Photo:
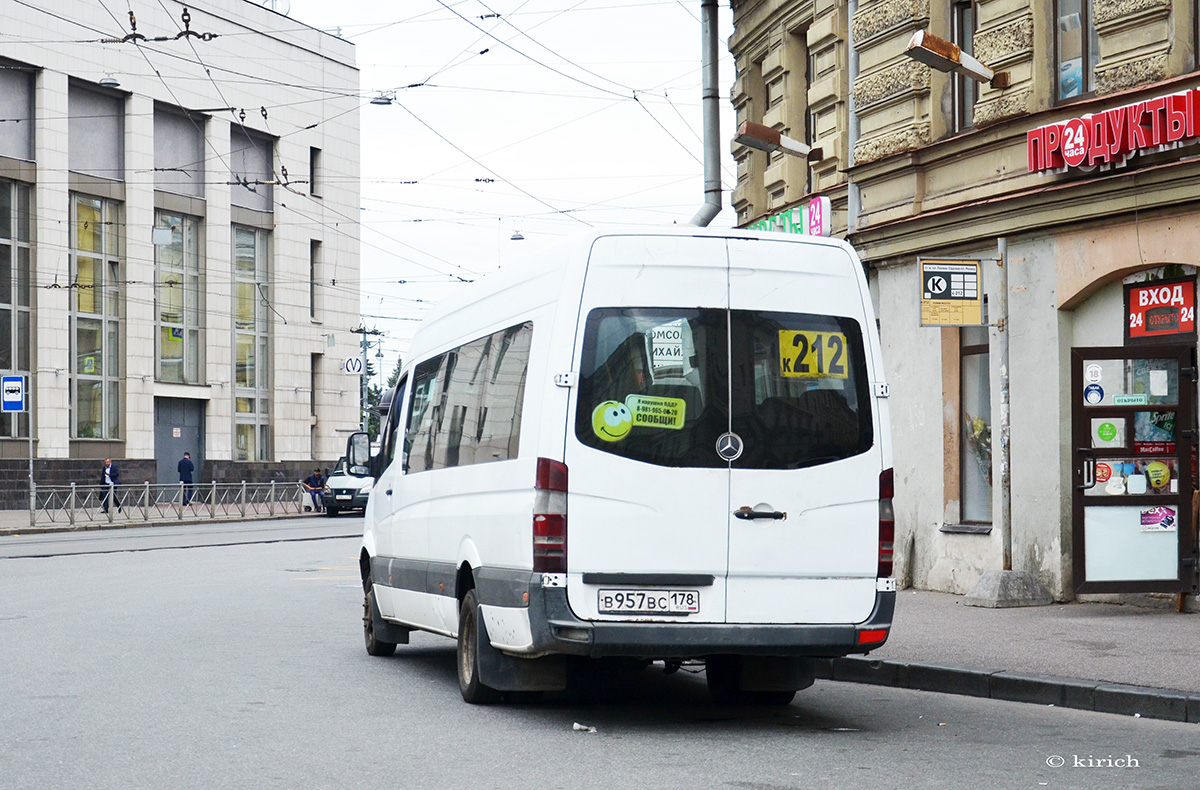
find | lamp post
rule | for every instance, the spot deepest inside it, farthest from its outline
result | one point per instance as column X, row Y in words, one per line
column 1005, row 587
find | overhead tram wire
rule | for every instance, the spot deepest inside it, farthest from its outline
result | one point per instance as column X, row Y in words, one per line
column 227, row 166
column 336, row 229
column 633, row 92
column 524, row 34
column 499, row 177
column 528, row 56
column 450, row 63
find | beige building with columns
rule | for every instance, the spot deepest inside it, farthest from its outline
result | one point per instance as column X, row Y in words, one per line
column 178, row 241
column 1083, row 157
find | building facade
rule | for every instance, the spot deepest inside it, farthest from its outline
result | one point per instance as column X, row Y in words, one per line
column 1082, row 158
column 179, row 262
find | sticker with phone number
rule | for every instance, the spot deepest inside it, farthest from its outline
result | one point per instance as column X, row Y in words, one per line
column 805, row 354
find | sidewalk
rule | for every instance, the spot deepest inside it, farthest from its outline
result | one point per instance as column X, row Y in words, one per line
column 16, row 522
column 1095, row 656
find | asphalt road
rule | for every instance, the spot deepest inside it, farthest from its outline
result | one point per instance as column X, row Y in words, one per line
column 242, row 667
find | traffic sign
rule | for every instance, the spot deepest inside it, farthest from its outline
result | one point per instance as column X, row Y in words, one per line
column 13, row 389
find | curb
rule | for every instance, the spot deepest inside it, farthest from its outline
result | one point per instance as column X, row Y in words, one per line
column 96, row 526
column 1094, row 695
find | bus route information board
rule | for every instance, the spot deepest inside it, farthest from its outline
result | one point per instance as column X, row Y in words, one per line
column 951, row 292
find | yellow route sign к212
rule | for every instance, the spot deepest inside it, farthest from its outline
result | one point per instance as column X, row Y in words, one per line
column 951, row 292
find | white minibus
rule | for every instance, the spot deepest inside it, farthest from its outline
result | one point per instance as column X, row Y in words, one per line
column 665, row 445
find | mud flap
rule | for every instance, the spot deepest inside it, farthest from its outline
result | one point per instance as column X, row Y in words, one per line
column 508, row 673
column 385, row 631
column 776, row 673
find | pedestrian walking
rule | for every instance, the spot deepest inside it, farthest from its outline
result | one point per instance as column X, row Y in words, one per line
column 315, row 484
column 111, row 478
column 186, row 467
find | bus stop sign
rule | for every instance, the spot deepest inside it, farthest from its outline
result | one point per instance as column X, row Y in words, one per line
column 13, row 389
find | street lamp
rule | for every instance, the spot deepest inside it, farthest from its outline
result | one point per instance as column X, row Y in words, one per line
column 947, row 56
column 764, row 138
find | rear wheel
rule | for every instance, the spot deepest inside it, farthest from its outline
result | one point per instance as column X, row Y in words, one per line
column 472, row 688
column 375, row 647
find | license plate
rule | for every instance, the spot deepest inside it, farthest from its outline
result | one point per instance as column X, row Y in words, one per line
column 649, row 601
column 344, row 496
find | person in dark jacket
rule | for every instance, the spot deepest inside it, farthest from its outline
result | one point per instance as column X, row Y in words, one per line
column 314, row 484
column 186, row 467
column 110, row 477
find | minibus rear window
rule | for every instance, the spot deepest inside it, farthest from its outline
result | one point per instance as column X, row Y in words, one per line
column 656, row 386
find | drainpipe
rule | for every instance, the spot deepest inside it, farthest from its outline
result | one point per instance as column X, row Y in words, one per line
column 710, row 107
column 853, row 202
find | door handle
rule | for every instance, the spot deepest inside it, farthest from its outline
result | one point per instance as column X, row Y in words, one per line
column 748, row 512
column 1089, row 468
column 389, row 492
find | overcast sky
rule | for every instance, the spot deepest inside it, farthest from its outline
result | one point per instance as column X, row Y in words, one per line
column 554, row 116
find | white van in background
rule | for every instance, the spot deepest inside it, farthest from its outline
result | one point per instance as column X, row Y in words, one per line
column 669, row 445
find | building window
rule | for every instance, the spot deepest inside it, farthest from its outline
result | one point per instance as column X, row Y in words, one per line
column 1076, row 48
column 178, row 295
column 314, row 172
column 314, row 279
column 96, row 317
column 178, row 151
column 15, row 295
column 96, row 133
column 16, row 108
column 251, row 161
column 976, row 451
column 314, row 368
column 251, row 302
column 965, row 88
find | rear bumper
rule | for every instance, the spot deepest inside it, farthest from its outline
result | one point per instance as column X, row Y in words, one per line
column 557, row 630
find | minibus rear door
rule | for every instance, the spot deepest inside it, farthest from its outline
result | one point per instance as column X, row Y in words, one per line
column 803, row 521
column 648, row 501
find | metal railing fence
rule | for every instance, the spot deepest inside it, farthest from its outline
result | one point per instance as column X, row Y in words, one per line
column 103, row 504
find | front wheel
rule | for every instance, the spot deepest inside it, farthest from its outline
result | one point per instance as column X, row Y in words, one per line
column 375, row 647
column 472, row 688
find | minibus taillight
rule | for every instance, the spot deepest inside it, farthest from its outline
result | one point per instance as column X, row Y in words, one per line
column 550, row 517
column 887, row 522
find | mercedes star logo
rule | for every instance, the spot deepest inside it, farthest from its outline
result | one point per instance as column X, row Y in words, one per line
column 729, row 446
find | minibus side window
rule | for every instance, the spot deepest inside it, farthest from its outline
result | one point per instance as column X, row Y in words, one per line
column 499, row 428
column 466, row 403
column 418, row 435
column 392, row 431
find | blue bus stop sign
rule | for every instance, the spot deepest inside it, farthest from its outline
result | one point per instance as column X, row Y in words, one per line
column 12, row 390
